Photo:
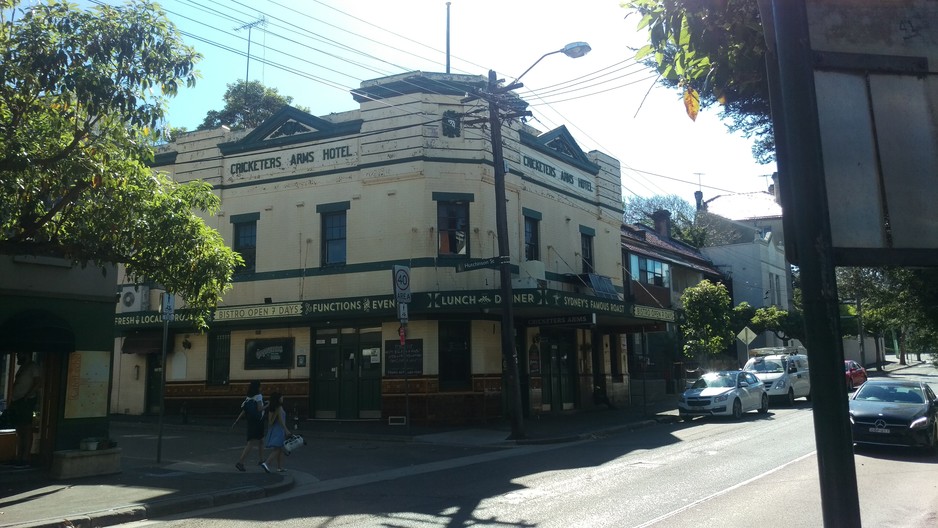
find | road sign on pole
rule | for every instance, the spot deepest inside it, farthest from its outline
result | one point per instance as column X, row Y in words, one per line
column 402, row 284
column 169, row 304
column 402, row 312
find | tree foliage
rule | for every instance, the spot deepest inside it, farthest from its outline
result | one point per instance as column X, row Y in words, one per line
column 714, row 49
column 81, row 99
column 638, row 209
column 896, row 300
column 247, row 105
column 707, row 318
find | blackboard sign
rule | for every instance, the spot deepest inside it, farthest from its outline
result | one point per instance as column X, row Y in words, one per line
column 268, row 353
column 403, row 361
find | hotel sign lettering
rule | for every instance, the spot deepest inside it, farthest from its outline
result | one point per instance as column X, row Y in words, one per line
column 259, row 311
column 570, row 179
column 310, row 157
column 650, row 312
column 384, row 305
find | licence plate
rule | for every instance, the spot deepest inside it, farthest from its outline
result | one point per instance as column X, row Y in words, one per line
column 879, row 430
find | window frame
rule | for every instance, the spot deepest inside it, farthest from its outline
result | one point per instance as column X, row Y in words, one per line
column 327, row 233
column 244, row 228
column 532, row 238
column 587, row 257
column 447, row 204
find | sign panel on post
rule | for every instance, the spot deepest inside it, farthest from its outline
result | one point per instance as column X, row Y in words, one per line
column 169, row 301
column 402, row 284
column 402, row 312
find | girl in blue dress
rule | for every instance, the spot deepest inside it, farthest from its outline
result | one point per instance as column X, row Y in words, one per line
column 277, row 431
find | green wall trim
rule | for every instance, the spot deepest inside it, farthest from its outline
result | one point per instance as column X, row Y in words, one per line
column 531, row 213
column 246, row 217
column 587, row 230
column 333, row 207
column 453, row 197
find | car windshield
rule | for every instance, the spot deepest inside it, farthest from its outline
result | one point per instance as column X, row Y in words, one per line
column 758, row 364
column 715, row 380
column 890, row 393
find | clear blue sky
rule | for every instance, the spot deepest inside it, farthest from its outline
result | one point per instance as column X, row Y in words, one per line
column 317, row 50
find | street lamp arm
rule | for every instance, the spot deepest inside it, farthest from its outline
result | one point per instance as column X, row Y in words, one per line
column 535, row 64
column 574, row 50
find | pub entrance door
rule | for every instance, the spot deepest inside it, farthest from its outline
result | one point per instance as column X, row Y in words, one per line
column 346, row 373
column 558, row 368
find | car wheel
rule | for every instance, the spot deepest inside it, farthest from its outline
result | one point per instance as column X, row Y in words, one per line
column 764, row 408
column 791, row 397
column 737, row 409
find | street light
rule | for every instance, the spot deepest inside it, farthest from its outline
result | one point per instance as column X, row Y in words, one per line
column 574, row 50
column 509, row 352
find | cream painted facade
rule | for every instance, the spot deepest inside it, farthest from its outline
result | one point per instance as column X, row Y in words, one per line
column 321, row 325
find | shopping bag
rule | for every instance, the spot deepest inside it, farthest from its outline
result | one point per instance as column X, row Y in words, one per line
column 293, row 443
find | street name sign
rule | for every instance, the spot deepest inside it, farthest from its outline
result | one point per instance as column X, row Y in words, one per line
column 491, row 262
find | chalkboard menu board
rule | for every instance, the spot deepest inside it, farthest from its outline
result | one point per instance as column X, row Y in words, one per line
column 403, row 361
column 268, row 353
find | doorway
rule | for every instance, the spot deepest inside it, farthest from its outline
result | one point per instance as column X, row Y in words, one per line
column 558, row 368
column 346, row 374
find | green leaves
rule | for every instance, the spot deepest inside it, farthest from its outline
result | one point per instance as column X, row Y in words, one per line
column 78, row 111
column 715, row 48
column 706, row 326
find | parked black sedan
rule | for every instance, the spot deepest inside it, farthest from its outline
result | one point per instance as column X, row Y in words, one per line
column 895, row 413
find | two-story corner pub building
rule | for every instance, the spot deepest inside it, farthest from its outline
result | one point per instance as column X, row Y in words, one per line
column 322, row 209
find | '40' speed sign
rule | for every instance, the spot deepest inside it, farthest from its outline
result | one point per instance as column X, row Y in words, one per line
column 402, row 284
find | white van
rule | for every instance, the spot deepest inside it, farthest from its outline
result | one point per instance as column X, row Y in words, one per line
column 785, row 375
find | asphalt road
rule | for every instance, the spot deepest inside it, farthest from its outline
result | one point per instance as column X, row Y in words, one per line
column 761, row 470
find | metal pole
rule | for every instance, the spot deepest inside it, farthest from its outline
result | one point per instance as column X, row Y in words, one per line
column 447, row 36
column 159, row 434
column 509, row 352
column 798, row 142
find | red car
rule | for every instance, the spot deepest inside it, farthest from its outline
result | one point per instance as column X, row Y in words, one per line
column 856, row 375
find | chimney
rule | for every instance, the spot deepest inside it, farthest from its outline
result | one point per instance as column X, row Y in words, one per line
column 698, row 195
column 662, row 218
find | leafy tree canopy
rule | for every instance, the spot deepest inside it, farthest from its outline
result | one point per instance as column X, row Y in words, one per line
column 638, row 209
column 707, row 319
column 81, row 96
column 247, row 105
column 714, row 51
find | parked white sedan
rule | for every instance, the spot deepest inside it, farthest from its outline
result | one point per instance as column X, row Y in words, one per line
column 724, row 393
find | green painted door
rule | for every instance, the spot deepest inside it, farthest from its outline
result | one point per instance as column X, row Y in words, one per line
column 348, row 377
column 346, row 381
column 558, row 368
column 369, row 369
column 325, row 381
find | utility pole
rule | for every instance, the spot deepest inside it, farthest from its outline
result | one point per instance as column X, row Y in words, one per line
column 509, row 350
column 493, row 95
column 249, row 26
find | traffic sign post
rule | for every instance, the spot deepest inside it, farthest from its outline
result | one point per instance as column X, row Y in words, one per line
column 402, row 312
column 402, row 284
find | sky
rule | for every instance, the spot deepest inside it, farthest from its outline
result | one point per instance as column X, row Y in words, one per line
column 316, row 51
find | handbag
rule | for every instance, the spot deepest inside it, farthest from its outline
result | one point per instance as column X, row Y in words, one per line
column 293, row 443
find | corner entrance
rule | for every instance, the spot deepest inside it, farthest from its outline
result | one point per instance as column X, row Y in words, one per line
column 558, row 369
column 345, row 381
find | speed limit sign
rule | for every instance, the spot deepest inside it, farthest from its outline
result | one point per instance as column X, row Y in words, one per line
column 402, row 284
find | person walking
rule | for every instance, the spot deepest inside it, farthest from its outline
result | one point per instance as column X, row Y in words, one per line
column 252, row 408
column 277, row 431
column 26, row 389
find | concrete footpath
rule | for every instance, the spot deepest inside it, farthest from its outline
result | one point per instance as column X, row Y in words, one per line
column 196, row 468
column 196, row 460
